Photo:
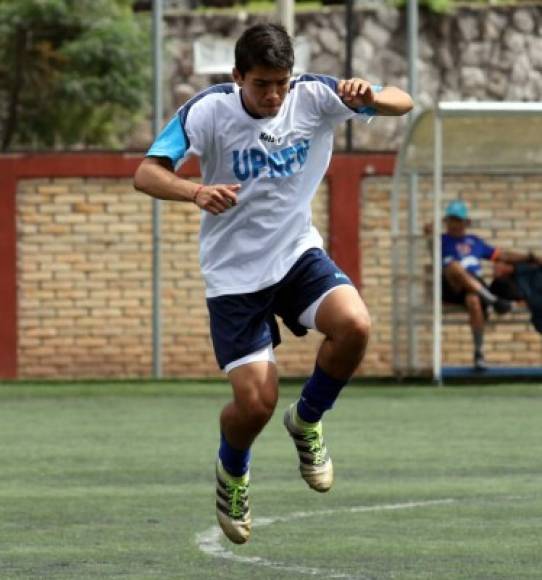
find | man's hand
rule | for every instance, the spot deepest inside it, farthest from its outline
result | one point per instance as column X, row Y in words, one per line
column 216, row 199
column 356, row 93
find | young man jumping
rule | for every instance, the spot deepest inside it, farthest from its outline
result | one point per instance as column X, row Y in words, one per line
column 264, row 143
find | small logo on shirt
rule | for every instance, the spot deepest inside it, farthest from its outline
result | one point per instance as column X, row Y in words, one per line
column 270, row 138
column 463, row 249
column 340, row 275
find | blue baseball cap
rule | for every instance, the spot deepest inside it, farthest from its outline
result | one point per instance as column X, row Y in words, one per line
column 457, row 209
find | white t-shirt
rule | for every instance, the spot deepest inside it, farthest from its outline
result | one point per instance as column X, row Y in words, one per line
column 279, row 162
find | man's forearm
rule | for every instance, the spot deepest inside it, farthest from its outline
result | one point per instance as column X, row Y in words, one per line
column 392, row 101
column 161, row 183
column 517, row 257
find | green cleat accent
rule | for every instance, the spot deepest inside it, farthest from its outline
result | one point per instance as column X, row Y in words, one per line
column 232, row 509
column 314, row 461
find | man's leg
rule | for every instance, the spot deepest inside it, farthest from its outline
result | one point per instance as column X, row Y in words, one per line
column 255, row 393
column 343, row 318
column 460, row 280
column 476, row 295
column 477, row 321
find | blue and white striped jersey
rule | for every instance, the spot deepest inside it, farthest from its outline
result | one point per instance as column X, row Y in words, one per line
column 279, row 162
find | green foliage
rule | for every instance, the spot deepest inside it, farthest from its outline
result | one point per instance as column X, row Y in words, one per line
column 442, row 6
column 72, row 72
column 438, row 6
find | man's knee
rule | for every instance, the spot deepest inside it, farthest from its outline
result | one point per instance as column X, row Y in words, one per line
column 258, row 410
column 353, row 330
column 453, row 272
column 256, row 399
column 454, row 267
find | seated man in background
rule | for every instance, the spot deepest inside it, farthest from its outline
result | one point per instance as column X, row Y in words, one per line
column 523, row 282
column 462, row 281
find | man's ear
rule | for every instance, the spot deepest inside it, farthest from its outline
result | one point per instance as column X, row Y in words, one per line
column 237, row 76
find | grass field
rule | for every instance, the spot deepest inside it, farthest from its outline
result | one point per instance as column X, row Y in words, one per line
column 116, row 481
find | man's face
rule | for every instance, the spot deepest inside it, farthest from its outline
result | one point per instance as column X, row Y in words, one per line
column 456, row 227
column 263, row 89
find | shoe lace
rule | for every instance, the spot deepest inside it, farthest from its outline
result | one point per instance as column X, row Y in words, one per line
column 313, row 436
column 237, row 493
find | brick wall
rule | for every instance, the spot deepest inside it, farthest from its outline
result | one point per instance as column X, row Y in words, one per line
column 376, row 272
column 84, row 278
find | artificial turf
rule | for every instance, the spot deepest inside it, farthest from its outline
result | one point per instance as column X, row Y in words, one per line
column 116, row 481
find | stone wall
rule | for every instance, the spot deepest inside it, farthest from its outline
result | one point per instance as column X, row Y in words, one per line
column 475, row 53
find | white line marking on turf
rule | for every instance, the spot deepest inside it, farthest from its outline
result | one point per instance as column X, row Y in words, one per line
column 209, row 540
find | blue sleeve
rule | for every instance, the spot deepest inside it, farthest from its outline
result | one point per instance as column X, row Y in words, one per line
column 171, row 142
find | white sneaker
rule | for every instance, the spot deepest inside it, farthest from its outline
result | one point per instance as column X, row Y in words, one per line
column 480, row 362
column 232, row 509
column 314, row 460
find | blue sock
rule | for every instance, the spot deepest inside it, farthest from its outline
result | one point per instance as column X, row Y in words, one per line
column 234, row 461
column 318, row 395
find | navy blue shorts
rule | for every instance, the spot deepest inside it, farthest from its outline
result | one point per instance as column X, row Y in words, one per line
column 245, row 323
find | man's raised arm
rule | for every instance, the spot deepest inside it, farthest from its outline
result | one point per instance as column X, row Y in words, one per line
column 358, row 92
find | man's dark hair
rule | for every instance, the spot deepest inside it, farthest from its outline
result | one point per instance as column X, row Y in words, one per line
column 265, row 45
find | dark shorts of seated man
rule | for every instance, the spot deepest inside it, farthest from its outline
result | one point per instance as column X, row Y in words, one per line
column 452, row 296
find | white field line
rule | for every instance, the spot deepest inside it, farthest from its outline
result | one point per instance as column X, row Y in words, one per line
column 209, row 540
